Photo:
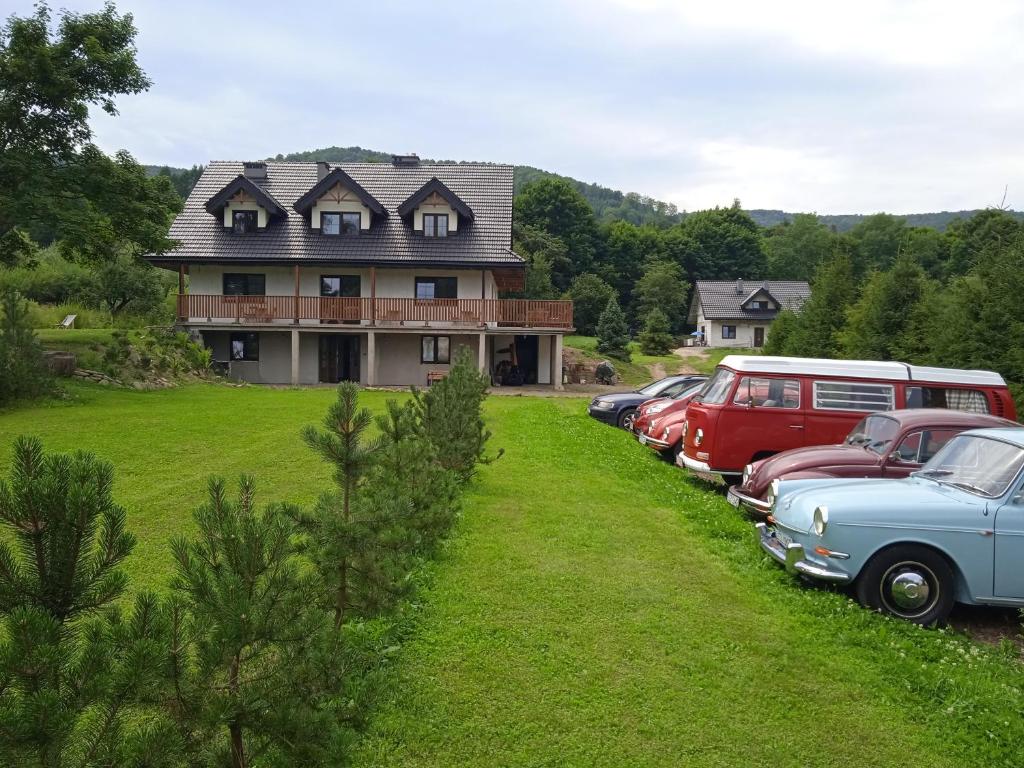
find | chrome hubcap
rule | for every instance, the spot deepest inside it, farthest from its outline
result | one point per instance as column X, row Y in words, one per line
column 909, row 589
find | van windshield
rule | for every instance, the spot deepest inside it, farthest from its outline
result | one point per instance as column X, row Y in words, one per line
column 716, row 389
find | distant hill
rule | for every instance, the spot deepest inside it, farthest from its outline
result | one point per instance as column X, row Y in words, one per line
column 608, row 204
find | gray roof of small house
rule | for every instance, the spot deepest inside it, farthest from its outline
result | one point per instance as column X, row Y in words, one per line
column 486, row 240
column 724, row 299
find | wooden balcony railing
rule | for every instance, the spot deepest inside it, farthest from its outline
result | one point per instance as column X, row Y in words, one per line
column 512, row 313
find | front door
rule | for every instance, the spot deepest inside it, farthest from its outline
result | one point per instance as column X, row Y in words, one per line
column 339, row 357
column 759, row 337
column 335, row 288
column 1009, row 548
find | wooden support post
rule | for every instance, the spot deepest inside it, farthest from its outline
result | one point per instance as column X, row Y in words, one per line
column 296, row 293
column 556, row 361
column 182, row 311
column 484, row 367
column 373, row 295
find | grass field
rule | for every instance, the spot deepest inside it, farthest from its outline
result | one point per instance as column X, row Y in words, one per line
column 594, row 608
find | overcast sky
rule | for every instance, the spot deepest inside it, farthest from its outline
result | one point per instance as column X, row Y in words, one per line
column 897, row 106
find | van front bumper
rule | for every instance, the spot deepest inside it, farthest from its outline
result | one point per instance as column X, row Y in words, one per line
column 794, row 558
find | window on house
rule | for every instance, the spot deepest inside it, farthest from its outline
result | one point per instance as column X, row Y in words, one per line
column 435, row 225
column 244, row 222
column 245, row 346
column 728, row 331
column 236, row 284
column 853, row 396
column 437, row 288
column 340, row 223
column 758, row 305
column 344, row 286
column 435, row 349
column 970, row 400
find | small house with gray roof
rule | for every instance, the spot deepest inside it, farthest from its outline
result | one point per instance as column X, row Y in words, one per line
column 737, row 313
column 302, row 272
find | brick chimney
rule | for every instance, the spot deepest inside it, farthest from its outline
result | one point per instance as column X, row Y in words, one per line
column 322, row 169
column 739, row 286
column 256, row 171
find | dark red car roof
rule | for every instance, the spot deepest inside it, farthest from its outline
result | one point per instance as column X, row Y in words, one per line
column 931, row 417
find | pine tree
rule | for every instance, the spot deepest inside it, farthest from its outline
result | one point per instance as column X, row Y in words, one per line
column 612, row 332
column 451, row 413
column 815, row 331
column 655, row 339
column 79, row 681
column 22, row 370
column 253, row 676
column 876, row 322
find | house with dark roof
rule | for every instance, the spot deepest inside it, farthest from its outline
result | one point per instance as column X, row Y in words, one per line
column 737, row 313
column 378, row 273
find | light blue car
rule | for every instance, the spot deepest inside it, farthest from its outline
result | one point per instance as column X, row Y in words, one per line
column 951, row 532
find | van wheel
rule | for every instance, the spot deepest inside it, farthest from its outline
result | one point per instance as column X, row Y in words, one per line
column 912, row 582
column 626, row 419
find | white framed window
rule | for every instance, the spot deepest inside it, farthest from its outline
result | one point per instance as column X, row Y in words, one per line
column 854, row 396
column 764, row 392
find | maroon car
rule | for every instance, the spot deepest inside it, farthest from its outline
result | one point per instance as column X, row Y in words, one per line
column 891, row 444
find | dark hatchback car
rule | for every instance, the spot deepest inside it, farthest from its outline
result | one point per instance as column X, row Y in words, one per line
column 891, row 444
column 619, row 408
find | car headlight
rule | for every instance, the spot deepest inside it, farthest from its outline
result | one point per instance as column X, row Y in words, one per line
column 657, row 408
column 747, row 471
column 664, row 434
column 698, row 436
column 773, row 492
column 604, row 405
column 820, row 520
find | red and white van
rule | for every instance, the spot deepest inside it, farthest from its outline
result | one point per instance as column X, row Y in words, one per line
column 756, row 406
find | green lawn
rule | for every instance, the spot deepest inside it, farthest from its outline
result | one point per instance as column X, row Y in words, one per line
column 594, row 608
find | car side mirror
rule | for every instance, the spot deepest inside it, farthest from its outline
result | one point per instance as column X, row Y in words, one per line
column 895, row 458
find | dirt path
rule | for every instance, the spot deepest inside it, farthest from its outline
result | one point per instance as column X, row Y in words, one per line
column 688, row 353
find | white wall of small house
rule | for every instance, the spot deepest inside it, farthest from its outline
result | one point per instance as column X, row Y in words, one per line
column 417, row 216
column 744, row 333
column 230, row 208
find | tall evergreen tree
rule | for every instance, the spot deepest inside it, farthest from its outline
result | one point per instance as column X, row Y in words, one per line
column 22, row 369
column 655, row 338
column 878, row 319
column 613, row 332
column 814, row 331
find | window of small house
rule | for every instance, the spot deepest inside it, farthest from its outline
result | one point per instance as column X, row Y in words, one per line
column 339, row 223
column 239, row 284
column 728, row 331
column 244, row 222
column 245, row 346
column 435, row 349
column 853, row 396
column 435, row 225
column 969, row 400
column 437, row 288
column 759, row 305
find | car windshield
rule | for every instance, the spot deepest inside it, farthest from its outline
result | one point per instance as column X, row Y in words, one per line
column 690, row 390
column 716, row 389
column 653, row 388
column 976, row 464
column 876, row 433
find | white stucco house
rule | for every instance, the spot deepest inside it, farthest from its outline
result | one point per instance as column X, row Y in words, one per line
column 737, row 313
column 303, row 272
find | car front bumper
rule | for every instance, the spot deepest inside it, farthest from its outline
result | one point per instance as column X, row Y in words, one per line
column 653, row 442
column 608, row 417
column 794, row 557
column 738, row 498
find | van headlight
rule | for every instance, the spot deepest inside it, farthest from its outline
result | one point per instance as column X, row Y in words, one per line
column 820, row 520
column 698, row 436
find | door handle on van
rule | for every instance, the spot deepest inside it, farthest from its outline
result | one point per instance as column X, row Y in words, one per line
column 796, row 426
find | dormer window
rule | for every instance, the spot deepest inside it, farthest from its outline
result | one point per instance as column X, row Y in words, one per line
column 759, row 305
column 339, row 223
column 435, row 225
column 244, row 222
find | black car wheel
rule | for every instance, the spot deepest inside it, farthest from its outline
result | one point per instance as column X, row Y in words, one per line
column 626, row 418
column 911, row 582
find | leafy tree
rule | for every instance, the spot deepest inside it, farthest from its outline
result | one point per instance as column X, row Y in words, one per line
column 929, row 248
column 542, row 252
column 795, row 249
column 876, row 322
column 556, row 207
column 625, row 249
column 342, row 443
column 127, row 281
column 23, row 372
column 721, row 244
column 877, row 241
column 613, row 332
column 451, row 415
column 656, row 337
column 780, row 333
column 814, row 331
column 986, row 233
column 80, row 683
column 54, row 183
column 662, row 287
column 589, row 295
column 253, row 651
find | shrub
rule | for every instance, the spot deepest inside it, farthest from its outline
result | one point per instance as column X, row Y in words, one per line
column 23, row 372
column 613, row 333
column 655, row 339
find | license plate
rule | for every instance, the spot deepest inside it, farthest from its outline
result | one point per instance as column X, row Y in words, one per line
column 732, row 498
column 783, row 539
column 643, row 439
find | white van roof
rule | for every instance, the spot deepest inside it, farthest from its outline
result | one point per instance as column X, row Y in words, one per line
column 859, row 369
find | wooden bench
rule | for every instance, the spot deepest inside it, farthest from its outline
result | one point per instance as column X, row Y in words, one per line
column 435, row 376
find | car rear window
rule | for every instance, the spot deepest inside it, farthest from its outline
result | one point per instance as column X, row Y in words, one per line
column 853, row 396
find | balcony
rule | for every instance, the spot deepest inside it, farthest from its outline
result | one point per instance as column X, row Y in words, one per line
column 378, row 312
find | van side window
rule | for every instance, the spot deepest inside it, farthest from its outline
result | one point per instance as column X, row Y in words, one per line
column 969, row 400
column 853, row 396
column 768, row 393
